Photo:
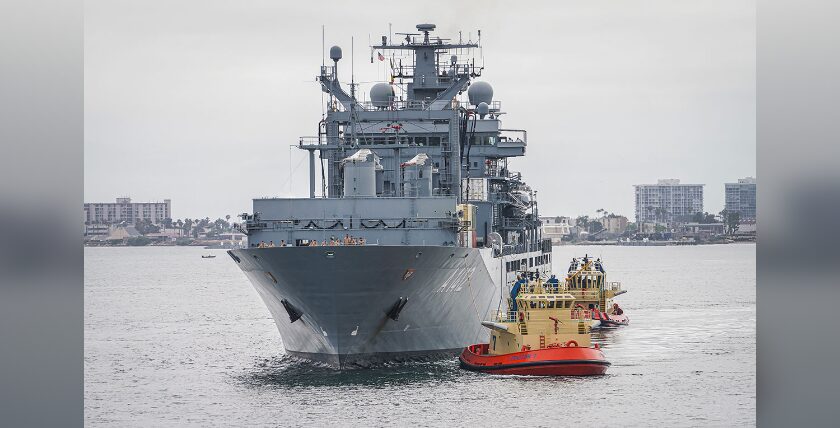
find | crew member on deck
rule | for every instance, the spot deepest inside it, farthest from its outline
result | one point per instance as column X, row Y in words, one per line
column 555, row 283
column 515, row 291
column 617, row 310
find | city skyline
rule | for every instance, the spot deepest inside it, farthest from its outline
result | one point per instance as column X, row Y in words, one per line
column 199, row 103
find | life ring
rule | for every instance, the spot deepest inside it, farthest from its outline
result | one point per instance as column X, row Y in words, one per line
column 569, row 343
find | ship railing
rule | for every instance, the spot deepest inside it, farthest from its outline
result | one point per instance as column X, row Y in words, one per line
column 312, row 141
column 458, row 69
column 394, row 105
column 613, row 286
column 519, row 248
column 588, row 294
column 513, row 137
column 339, row 225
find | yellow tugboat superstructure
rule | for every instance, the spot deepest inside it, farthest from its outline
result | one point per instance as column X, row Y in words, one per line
column 587, row 282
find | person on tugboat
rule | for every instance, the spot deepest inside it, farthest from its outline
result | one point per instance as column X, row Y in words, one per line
column 514, row 291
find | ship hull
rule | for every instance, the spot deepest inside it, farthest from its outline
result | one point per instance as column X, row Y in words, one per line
column 345, row 298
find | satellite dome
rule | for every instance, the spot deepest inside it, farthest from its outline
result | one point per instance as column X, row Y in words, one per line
column 381, row 94
column 480, row 92
column 335, row 53
column 482, row 109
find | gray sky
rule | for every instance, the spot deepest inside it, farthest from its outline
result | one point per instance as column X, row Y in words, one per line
column 198, row 101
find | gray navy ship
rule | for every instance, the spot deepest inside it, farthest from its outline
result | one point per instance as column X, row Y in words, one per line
column 419, row 227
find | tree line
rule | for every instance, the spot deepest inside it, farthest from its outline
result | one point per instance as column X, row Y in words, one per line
column 189, row 227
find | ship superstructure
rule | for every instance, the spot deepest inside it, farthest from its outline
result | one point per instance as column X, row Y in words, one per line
column 418, row 218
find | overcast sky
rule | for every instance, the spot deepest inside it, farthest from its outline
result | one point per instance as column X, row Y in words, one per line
column 198, row 101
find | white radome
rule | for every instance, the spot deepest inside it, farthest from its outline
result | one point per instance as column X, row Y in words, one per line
column 480, row 92
column 381, row 94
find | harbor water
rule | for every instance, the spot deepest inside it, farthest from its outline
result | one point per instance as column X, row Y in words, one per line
column 172, row 339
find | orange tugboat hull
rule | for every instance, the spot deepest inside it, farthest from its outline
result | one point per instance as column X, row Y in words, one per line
column 562, row 361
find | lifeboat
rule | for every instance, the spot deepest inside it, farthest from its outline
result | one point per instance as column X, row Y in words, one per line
column 610, row 320
column 544, row 333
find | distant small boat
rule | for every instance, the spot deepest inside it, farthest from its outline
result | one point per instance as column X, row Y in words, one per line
column 211, row 256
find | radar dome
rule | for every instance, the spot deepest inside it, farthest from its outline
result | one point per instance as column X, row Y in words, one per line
column 381, row 94
column 335, row 53
column 480, row 92
column 482, row 109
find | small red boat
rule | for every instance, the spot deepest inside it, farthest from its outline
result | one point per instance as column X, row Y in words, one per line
column 615, row 320
column 558, row 361
column 610, row 320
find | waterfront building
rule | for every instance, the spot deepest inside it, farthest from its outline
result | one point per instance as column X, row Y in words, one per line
column 740, row 197
column 123, row 210
column 555, row 228
column 96, row 230
column 614, row 223
column 702, row 230
column 668, row 201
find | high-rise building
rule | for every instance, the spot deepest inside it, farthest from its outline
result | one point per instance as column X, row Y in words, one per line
column 740, row 197
column 123, row 210
column 668, row 201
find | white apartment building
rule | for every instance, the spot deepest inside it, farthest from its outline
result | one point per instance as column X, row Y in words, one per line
column 740, row 197
column 123, row 210
column 668, row 201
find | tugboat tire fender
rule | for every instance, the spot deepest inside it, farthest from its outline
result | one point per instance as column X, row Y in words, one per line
column 572, row 343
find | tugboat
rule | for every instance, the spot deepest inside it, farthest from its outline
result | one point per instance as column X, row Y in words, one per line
column 587, row 281
column 545, row 334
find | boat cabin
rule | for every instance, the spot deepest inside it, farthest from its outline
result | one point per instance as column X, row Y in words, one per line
column 542, row 320
column 587, row 281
